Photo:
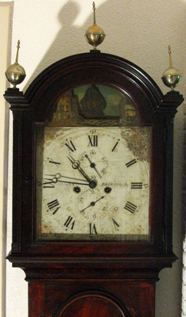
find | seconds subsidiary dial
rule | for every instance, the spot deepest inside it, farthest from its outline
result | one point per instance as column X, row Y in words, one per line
column 93, row 183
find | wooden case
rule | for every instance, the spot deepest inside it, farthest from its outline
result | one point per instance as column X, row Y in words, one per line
column 88, row 278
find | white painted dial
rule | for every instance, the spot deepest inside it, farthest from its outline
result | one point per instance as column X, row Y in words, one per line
column 93, row 183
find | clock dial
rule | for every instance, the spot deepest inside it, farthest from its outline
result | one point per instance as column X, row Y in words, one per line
column 93, row 183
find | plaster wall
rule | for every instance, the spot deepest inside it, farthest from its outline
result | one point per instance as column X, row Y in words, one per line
column 136, row 30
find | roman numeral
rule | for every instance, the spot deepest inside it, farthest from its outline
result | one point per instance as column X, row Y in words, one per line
column 54, row 206
column 116, row 225
column 136, row 185
column 130, row 163
column 92, row 229
column 69, row 223
column 130, row 207
column 93, row 140
column 54, row 162
column 48, row 183
column 115, row 145
column 48, row 186
column 146, row 185
column 70, row 145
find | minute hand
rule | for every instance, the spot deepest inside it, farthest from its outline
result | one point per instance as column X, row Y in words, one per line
column 69, row 180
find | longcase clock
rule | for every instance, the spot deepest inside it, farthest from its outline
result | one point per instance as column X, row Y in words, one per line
column 92, row 187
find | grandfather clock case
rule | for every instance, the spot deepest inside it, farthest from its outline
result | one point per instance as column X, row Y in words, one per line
column 96, row 272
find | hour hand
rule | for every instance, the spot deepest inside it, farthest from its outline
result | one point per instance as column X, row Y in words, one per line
column 76, row 165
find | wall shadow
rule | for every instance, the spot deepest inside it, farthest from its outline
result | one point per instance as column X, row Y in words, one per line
column 136, row 24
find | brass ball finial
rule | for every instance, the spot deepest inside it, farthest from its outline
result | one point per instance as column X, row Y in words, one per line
column 15, row 73
column 94, row 34
column 171, row 76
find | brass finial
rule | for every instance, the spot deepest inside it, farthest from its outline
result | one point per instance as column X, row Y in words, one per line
column 171, row 76
column 94, row 34
column 170, row 56
column 17, row 53
column 94, row 12
column 15, row 73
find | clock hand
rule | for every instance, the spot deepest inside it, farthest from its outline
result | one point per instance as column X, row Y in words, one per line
column 92, row 204
column 71, row 182
column 56, row 179
column 93, row 165
column 59, row 175
column 76, row 165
